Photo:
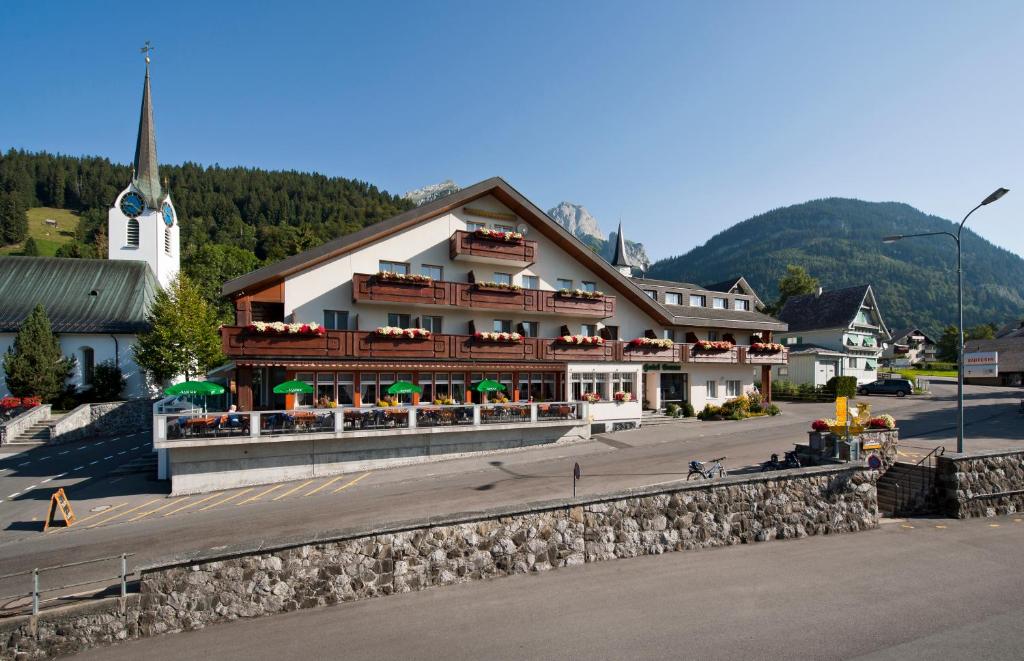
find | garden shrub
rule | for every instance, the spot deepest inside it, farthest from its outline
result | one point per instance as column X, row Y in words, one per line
column 688, row 410
column 773, row 410
column 842, row 386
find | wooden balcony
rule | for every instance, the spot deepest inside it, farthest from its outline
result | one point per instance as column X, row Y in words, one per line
column 466, row 246
column 642, row 354
column 757, row 358
column 370, row 289
column 691, row 354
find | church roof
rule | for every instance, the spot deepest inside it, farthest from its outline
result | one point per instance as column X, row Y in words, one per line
column 147, row 176
column 79, row 295
column 620, row 259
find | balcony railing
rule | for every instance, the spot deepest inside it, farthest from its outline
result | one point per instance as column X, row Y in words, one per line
column 467, row 246
column 368, row 288
column 234, row 427
column 240, row 343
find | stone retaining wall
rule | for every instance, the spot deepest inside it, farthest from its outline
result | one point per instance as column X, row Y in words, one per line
column 980, row 484
column 195, row 590
column 104, row 419
column 69, row 629
column 19, row 424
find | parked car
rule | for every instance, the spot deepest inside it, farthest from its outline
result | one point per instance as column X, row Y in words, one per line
column 898, row 387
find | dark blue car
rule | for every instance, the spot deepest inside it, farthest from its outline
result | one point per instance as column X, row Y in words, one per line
column 898, row 387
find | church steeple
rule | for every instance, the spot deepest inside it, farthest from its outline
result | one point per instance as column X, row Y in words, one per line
column 621, row 260
column 147, row 176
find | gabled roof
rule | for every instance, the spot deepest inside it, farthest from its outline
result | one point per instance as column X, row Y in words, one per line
column 685, row 315
column 828, row 309
column 738, row 282
column 802, row 348
column 904, row 332
column 79, row 295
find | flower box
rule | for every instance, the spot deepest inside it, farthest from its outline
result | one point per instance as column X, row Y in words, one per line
column 591, row 397
column 581, row 339
column 711, row 346
column 497, row 286
column 497, row 338
column 495, row 235
column 281, row 328
column 766, row 347
column 651, row 343
column 883, row 421
column 581, row 293
column 622, row 396
column 396, row 333
column 10, row 403
column 403, row 278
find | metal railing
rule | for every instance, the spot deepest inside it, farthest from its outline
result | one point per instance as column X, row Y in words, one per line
column 924, row 470
column 36, row 593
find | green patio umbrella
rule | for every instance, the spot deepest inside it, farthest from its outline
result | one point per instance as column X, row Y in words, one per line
column 403, row 388
column 203, row 388
column 487, row 385
column 293, row 387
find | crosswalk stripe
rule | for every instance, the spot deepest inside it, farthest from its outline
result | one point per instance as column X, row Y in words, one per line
column 293, row 490
column 324, row 485
column 162, row 507
column 260, row 495
column 186, row 505
column 221, row 502
column 346, row 486
column 119, row 514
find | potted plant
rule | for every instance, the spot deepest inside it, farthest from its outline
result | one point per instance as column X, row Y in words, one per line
column 591, row 397
column 622, row 396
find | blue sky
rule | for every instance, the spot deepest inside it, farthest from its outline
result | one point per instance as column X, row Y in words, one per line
column 682, row 118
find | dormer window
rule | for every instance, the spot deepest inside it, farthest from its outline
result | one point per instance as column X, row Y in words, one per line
column 673, row 298
column 698, row 300
column 132, row 240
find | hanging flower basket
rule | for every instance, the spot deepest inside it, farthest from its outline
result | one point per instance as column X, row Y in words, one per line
column 403, row 278
column 581, row 340
column 710, row 346
column 396, row 333
column 591, row 397
column 581, row 293
column 281, row 328
column 497, row 338
column 497, row 286
column 651, row 343
column 495, row 235
column 622, row 396
column 766, row 347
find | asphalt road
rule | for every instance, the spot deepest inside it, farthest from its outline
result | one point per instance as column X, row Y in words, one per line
column 934, row 589
column 138, row 517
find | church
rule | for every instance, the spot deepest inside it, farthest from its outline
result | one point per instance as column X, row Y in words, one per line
column 99, row 306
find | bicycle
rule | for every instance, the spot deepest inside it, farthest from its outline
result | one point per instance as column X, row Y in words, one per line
column 706, row 470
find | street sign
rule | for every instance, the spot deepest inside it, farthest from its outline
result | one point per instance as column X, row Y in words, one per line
column 59, row 503
column 874, row 461
column 981, row 364
column 841, row 410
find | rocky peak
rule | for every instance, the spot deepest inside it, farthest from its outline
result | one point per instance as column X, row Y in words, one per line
column 576, row 219
column 432, row 192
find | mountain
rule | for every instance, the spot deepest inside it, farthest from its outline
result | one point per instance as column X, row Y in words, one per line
column 579, row 221
column 431, row 192
column 839, row 242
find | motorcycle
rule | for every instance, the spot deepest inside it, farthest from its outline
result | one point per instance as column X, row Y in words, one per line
column 773, row 464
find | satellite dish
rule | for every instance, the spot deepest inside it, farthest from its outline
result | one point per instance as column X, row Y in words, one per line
column 523, row 229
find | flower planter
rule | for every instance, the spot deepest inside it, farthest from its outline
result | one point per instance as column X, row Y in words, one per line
column 412, row 279
column 502, row 237
column 581, row 294
column 580, row 340
column 497, row 287
column 497, row 338
column 281, row 328
column 395, row 333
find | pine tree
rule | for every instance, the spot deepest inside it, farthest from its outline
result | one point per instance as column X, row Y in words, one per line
column 35, row 365
column 184, row 338
column 13, row 219
column 796, row 282
column 30, row 249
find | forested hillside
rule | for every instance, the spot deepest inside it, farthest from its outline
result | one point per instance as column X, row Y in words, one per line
column 839, row 242
column 232, row 219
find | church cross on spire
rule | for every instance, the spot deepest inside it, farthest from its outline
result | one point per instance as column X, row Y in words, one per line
column 147, row 175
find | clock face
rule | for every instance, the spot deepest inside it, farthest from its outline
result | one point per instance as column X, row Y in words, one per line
column 168, row 214
column 132, row 204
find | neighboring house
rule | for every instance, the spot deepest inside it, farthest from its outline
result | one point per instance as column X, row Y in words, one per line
column 910, row 346
column 97, row 307
column 543, row 283
column 839, row 333
column 1010, row 347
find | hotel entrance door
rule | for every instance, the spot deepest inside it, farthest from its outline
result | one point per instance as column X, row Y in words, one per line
column 674, row 388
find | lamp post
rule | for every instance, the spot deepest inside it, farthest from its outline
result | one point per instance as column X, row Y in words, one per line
column 998, row 193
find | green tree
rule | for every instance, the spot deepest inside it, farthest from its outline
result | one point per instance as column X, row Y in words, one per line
column 34, row 365
column 796, row 282
column 76, row 250
column 211, row 266
column 107, row 382
column 30, row 249
column 13, row 219
column 947, row 347
column 982, row 332
column 184, row 338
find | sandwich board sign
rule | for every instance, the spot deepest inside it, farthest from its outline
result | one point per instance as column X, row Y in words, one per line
column 981, row 364
column 59, row 504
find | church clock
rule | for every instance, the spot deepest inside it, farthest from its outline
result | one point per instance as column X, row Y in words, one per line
column 132, row 204
column 168, row 214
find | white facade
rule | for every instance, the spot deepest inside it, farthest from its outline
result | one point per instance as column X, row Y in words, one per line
column 146, row 237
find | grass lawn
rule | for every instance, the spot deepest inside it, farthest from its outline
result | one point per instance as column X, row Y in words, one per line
column 48, row 238
column 912, row 373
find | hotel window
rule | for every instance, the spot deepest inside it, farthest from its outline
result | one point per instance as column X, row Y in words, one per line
column 712, row 387
column 504, row 228
column 502, row 326
column 432, row 324
column 398, row 319
column 133, row 233
column 673, row 298
column 698, row 300
column 712, row 336
column 336, row 319
column 564, row 283
column 387, row 379
column 851, row 363
column 720, row 303
column 432, row 272
column 404, row 398
column 653, row 295
column 588, row 330
column 611, row 332
column 324, row 389
column 394, row 267
column 733, row 388
column 426, row 382
column 472, row 227
column 305, row 399
column 741, row 304
column 531, row 328
column 622, row 381
column 458, row 387
column 345, row 389
column 531, row 282
column 588, row 286
column 503, row 278
column 669, row 334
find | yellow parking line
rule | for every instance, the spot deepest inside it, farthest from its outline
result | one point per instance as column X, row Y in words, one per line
column 198, row 502
column 231, row 497
column 346, row 486
column 260, row 495
column 149, row 502
column 91, row 516
column 162, row 507
column 325, row 484
column 292, row 490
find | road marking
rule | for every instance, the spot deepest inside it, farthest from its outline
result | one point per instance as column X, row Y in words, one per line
column 941, row 527
column 231, row 497
column 92, row 516
column 162, row 507
column 324, row 485
column 292, row 490
column 108, row 520
column 906, row 526
column 991, row 525
column 260, row 495
column 346, row 486
column 198, row 502
column 30, row 488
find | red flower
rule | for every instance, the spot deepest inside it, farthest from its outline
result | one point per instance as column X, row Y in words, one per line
column 819, row 425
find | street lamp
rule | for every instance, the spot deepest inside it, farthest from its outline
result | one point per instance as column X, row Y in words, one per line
column 998, row 193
